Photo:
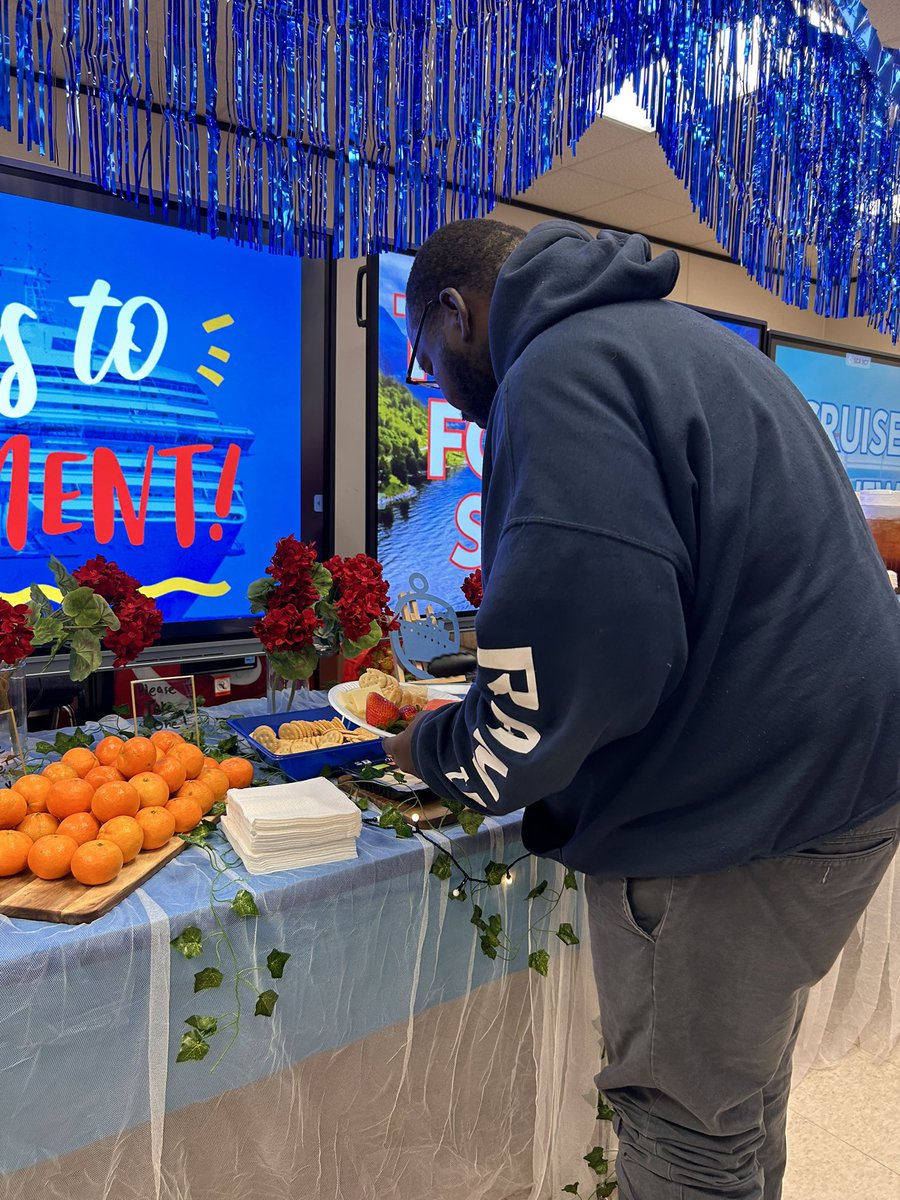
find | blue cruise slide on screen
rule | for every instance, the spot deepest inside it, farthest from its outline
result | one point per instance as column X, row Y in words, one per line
column 149, row 404
column 857, row 399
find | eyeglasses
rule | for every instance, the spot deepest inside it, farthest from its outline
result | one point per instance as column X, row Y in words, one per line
column 424, row 380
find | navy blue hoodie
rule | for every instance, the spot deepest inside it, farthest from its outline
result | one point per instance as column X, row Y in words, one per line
column 689, row 650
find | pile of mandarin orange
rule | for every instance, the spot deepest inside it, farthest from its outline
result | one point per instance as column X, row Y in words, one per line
column 95, row 810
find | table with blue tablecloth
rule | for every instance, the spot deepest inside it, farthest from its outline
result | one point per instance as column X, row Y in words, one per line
column 399, row 1061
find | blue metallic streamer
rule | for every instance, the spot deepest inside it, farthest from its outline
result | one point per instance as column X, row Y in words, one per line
column 360, row 114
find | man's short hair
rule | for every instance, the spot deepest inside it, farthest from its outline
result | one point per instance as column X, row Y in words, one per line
column 462, row 254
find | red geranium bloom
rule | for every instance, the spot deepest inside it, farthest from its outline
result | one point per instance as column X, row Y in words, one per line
column 472, row 588
column 15, row 633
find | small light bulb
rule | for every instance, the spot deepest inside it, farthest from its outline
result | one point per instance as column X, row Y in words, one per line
column 456, row 892
column 507, row 879
column 415, row 816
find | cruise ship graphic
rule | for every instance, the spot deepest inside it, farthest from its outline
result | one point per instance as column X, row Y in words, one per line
column 165, row 410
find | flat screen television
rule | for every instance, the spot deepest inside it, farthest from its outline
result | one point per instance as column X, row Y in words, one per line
column 750, row 330
column 426, row 463
column 163, row 401
column 856, row 396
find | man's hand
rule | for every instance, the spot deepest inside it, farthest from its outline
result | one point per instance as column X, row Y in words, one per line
column 400, row 747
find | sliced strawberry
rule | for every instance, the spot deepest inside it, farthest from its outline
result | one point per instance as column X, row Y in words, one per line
column 408, row 711
column 381, row 712
column 434, row 705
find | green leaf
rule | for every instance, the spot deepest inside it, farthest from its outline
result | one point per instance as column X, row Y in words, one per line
column 244, row 904
column 83, row 607
column 85, row 655
column 122, row 710
column 64, row 581
column 442, row 867
column 265, row 1005
column 488, row 947
column 604, row 1190
column 494, row 873
column 47, row 629
column 294, row 664
column 275, row 962
column 189, row 942
column 596, row 1160
column 458, row 893
column 258, row 593
column 43, row 748
column 218, row 809
column 495, row 924
column 475, row 919
column 470, row 822
column 571, row 1188
column 570, row 881
column 227, row 746
column 361, row 802
column 64, row 742
column 321, row 578
column 193, row 1048
column 604, row 1112
column 39, row 604
column 567, row 934
column 206, row 1026
column 392, row 818
column 537, row 891
column 209, row 977
column 355, row 649
column 539, row 960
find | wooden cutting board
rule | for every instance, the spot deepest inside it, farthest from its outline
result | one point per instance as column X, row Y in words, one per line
column 69, row 902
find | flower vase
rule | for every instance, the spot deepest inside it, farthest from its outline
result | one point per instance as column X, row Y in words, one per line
column 13, row 700
column 284, row 695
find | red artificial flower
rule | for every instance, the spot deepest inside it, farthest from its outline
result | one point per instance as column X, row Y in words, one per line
column 140, row 624
column 140, row 621
column 287, row 628
column 360, row 596
column 106, row 579
column 15, row 633
column 472, row 588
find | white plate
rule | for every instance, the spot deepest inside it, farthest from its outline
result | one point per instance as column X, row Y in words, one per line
column 447, row 691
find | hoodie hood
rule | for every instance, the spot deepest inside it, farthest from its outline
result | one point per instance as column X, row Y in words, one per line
column 559, row 270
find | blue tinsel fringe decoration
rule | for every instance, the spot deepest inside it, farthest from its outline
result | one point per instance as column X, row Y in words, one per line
column 276, row 122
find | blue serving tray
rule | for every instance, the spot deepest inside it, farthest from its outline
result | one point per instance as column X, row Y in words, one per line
column 309, row 763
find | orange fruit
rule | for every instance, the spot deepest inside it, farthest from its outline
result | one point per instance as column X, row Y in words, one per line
column 152, row 788
column 83, row 827
column 138, row 754
column 210, row 764
column 158, row 825
column 115, row 800
column 107, row 750
column 80, row 759
column 34, row 788
column 126, row 833
column 239, row 772
column 69, row 796
column 59, row 770
column 51, row 857
column 197, row 791
column 165, row 739
column 97, row 862
column 38, row 825
column 215, row 780
column 14, row 847
column 13, row 808
column 187, row 812
column 172, row 770
column 97, row 776
column 190, row 756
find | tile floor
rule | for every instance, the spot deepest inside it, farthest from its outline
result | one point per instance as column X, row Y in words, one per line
column 844, row 1132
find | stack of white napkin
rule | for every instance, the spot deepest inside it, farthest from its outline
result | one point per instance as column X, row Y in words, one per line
column 291, row 825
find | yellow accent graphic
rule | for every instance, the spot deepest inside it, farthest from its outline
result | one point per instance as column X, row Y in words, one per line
column 219, row 353
column 218, row 323
column 178, row 583
column 212, row 376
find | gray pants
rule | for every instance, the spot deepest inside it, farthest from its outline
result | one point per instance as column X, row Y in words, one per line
column 702, row 983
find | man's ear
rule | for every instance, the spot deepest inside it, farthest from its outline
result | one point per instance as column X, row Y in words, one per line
column 453, row 302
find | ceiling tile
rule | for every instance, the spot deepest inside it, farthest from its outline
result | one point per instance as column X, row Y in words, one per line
column 606, row 135
column 637, row 211
column 635, row 166
column 673, row 189
column 687, row 230
column 566, row 190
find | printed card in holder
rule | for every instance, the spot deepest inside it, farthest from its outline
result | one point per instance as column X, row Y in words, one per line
column 169, row 698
